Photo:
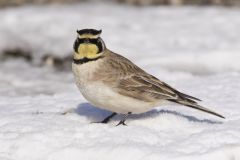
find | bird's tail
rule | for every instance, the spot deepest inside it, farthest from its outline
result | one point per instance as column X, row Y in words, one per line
column 193, row 104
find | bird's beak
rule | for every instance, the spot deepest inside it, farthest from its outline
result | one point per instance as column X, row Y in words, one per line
column 86, row 41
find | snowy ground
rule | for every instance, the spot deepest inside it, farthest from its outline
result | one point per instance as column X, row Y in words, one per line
column 194, row 49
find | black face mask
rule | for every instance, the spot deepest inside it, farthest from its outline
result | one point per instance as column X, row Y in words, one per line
column 96, row 41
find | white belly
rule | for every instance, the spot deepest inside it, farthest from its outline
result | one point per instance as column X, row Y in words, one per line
column 103, row 96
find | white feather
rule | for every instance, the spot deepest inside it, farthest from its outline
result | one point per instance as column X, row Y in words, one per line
column 103, row 96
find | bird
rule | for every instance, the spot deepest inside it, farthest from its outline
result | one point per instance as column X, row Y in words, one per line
column 112, row 82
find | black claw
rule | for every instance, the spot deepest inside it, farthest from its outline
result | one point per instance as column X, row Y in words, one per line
column 122, row 122
column 104, row 121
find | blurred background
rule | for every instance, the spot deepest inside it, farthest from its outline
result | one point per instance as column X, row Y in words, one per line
column 192, row 37
column 193, row 45
column 5, row 3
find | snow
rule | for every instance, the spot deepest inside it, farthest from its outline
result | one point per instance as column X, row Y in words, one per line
column 193, row 49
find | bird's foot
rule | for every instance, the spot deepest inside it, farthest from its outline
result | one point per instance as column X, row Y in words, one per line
column 122, row 122
column 106, row 120
column 103, row 121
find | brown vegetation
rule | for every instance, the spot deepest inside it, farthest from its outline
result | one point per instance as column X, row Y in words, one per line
column 182, row 2
column 4, row 3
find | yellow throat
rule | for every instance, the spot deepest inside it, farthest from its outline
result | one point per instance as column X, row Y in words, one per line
column 87, row 50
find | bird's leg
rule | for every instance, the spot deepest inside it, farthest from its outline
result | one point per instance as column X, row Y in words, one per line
column 106, row 120
column 122, row 122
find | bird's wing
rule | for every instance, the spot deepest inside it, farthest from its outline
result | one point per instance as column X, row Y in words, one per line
column 145, row 87
column 130, row 80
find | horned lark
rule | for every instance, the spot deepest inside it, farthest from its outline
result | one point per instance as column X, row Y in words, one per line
column 112, row 82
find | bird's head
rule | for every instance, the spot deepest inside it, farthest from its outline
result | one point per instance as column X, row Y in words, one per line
column 88, row 44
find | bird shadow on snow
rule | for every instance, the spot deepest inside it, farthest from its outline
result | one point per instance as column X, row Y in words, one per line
column 95, row 114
